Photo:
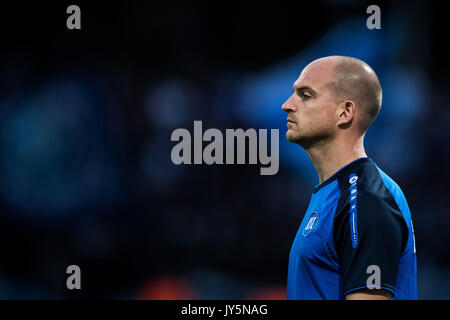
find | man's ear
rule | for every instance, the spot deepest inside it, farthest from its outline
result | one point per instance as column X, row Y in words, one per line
column 346, row 113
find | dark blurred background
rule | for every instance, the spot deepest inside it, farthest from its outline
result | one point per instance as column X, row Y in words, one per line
column 86, row 118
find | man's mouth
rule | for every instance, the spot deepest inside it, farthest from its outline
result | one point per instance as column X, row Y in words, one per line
column 290, row 121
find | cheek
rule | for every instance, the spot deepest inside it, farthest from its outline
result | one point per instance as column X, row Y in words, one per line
column 328, row 119
column 308, row 111
column 317, row 115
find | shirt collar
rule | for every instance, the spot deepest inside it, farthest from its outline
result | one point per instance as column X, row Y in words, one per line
column 341, row 172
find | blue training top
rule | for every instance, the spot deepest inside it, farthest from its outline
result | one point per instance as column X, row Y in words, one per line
column 357, row 233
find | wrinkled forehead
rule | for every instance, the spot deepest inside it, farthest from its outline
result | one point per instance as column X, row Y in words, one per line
column 316, row 75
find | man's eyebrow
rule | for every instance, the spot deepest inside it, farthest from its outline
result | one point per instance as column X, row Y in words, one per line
column 303, row 88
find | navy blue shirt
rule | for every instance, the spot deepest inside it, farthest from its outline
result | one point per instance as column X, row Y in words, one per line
column 357, row 233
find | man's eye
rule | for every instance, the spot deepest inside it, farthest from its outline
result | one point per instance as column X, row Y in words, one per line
column 305, row 96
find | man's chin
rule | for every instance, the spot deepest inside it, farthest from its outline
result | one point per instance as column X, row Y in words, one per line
column 296, row 138
column 292, row 136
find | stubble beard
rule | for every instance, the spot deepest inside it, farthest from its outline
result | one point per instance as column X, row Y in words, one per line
column 306, row 140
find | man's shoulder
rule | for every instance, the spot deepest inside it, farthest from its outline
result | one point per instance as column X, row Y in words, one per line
column 369, row 184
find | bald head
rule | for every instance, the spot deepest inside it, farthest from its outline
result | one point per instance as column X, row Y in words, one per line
column 333, row 96
column 353, row 79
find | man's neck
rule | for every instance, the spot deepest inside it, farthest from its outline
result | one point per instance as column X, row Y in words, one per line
column 329, row 157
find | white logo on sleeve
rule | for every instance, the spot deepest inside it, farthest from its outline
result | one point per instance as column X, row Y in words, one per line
column 353, row 179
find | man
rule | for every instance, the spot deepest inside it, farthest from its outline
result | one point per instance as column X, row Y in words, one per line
column 356, row 240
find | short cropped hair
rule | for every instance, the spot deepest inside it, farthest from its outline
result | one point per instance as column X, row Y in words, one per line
column 353, row 79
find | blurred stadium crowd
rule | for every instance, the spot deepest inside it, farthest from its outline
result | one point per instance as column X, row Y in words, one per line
column 86, row 175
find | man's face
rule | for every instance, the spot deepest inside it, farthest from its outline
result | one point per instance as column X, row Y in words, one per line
column 311, row 108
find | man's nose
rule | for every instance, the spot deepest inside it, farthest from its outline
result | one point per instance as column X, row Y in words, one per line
column 288, row 105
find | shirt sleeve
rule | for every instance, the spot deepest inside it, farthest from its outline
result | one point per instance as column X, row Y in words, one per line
column 369, row 239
